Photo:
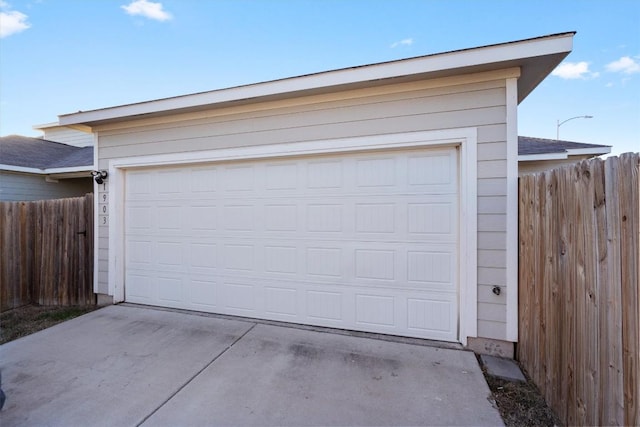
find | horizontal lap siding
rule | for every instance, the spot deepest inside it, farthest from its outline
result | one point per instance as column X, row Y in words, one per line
column 69, row 136
column 480, row 105
column 27, row 187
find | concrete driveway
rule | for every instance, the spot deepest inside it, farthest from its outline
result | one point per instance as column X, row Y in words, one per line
column 129, row 365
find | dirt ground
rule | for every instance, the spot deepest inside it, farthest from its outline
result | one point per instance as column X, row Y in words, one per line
column 520, row 404
column 28, row 319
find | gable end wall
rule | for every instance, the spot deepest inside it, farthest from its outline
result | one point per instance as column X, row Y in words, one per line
column 420, row 106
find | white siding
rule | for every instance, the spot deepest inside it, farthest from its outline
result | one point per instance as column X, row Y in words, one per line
column 16, row 186
column 68, row 136
column 545, row 165
column 386, row 110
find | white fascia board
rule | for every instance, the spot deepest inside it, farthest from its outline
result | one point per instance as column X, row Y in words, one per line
column 475, row 57
column 12, row 168
column 597, row 151
column 51, row 171
column 545, row 156
column 68, row 170
column 53, row 125
column 46, row 126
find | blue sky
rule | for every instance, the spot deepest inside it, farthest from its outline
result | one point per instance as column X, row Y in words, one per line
column 61, row 56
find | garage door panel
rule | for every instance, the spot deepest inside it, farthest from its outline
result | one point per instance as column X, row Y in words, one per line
column 239, row 297
column 202, row 217
column 203, row 181
column 282, row 302
column 432, row 169
column 170, row 290
column 238, row 178
column 281, row 217
column 378, row 264
column 375, row 172
column 432, row 316
column 324, row 261
column 281, row 176
column 140, row 287
column 139, row 252
column 238, row 257
column 361, row 241
column 376, row 310
column 324, row 175
column 139, row 218
column 204, row 256
column 203, row 292
column 375, row 217
column 431, row 270
column 169, row 254
column 281, row 259
column 325, row 306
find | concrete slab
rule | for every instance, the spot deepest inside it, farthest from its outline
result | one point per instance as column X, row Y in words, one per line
column 284, row 376
column 131, row 365
column 113, row 366
column 507, row 369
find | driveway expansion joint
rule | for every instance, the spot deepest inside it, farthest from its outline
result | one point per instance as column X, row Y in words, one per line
column 196, row 375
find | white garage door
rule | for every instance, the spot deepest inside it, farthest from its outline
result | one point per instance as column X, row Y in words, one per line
column 363, row 241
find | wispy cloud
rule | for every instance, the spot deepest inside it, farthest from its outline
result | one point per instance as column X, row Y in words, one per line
column 11, row 21
column 574, row 70
column 403, row 42
column 626, row 65
column 147, row 9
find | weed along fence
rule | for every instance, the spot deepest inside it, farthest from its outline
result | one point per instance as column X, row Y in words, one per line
column 579, row 287
column 47, row 252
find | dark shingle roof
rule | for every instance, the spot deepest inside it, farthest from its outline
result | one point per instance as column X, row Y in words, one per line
column 529, row 146
column 37, row 153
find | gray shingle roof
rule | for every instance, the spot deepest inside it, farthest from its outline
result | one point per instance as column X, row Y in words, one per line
column 37, row 153
column 529, row 146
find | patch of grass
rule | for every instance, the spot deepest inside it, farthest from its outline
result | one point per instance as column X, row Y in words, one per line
column 520, row 403
column 26, row 320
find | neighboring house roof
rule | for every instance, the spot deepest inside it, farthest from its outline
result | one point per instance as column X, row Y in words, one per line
column 36, row 155
column 550, row 149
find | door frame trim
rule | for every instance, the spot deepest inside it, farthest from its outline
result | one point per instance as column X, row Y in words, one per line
column 465, row 139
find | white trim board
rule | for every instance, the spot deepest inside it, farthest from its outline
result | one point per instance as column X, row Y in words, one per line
column 465, row 139
column 512, row 211
column 596, row 151
column 51, row 171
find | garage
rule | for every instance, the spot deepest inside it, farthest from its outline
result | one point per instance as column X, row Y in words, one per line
column 364, row 240
column 379, row 198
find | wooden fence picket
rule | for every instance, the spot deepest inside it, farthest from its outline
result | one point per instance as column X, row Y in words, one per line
column 579, row 289
column 47, row 252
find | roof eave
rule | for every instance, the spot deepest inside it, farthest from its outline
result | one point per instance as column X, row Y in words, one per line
column 542, row 156
column 536, row 57
column 49, row 171
column 596, row 151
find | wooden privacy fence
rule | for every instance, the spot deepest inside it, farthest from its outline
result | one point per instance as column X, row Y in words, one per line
column 47, row 252
column 578, row 289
